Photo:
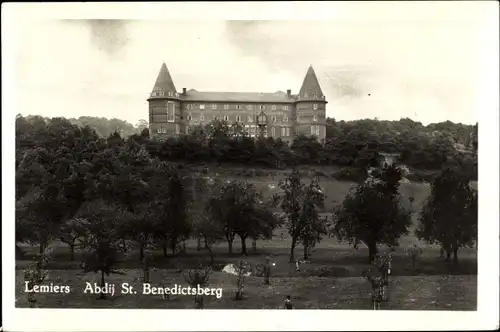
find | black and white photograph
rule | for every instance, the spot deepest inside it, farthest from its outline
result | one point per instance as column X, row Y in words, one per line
column 204, row 157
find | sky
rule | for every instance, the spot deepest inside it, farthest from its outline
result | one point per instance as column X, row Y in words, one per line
column 408, row 61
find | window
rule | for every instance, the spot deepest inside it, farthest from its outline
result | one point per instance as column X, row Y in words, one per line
column 285, row 107
column 202, row 117
column 273, row 107
column 189, row 106
column 238, row 118
column 170, row 112
column 315, row 118
column 226, row 118
column 189, row 117
column 314, row 96
column 250, row 118
column 202, row 106
column 285, row 131
column 226, row 107
column 169, row 93
column 261, row 107
column 273, row 118
column 188, row 129
column 177, row 129
column 315, row 106
column 238, row 107
column 273, row 131
column 158, row 130
column 162, row 93
column 249, row 107
column 285, row 118
column 315, row 130
column 214, row 106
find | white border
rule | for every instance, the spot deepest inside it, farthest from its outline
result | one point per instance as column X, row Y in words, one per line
column 216, row 320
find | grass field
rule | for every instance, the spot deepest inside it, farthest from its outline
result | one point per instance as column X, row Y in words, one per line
column 331, row 280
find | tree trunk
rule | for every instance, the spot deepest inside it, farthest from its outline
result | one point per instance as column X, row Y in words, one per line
column 243, row 246
column 210, row 252
column 141, row 252
column 441, row 252
column 230, row 246
column 455, row 255
column 372, row 251
column 292, row 249
column 72, row 251
column 306, row 251
column 102, row 295
column 254, row 245
column 42, row 247
column 448, row 255
column 173, row 246
column 164, row 249
column 198, row 244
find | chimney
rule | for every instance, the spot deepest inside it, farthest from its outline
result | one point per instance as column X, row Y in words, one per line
column 288, row 93
column 184, row 91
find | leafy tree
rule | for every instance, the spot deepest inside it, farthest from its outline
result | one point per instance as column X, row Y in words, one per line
column 172, row 202
column 72, row 230
column 449, row 215
column 300, row 204
column 372, row 213
column 102, row 240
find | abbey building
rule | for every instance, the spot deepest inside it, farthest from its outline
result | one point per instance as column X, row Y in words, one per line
column 280, row 114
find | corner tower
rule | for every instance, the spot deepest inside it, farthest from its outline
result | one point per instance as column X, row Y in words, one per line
column 310, row 107
column 164, row 106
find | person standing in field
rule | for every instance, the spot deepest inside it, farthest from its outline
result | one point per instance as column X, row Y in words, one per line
column 288, row 303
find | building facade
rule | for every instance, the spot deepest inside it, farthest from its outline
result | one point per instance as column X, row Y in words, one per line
column 280, row 115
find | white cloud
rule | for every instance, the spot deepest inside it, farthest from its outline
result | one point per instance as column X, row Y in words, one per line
column 421, row 69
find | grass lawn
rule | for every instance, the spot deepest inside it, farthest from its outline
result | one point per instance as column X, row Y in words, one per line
column 411, row 292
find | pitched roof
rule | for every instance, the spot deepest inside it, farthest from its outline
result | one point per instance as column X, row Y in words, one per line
column 277, row 97
column 164, row 81
column 310, row 86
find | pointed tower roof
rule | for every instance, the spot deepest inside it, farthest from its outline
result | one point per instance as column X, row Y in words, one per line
column 164, row 81
column 310, row 87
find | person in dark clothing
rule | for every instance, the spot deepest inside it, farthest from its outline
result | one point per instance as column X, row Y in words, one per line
column 288, row 303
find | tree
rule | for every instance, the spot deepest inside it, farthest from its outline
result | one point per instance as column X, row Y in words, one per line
column 449, row 215
column 300, row 204
column 372, row 213
column 172, row 201
column 102, row 240
column 72, row 230
column 198, row 278
column 256, row 217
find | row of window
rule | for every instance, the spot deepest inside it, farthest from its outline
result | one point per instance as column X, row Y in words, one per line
column 239, row 118
column 240, row 107
column 162, row 93
column 251, row 130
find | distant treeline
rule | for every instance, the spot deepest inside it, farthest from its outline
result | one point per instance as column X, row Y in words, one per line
column 352, row 145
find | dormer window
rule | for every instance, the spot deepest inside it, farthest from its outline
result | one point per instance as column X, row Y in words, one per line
column 261, row 107
column 162, row 93
column 169, row 93
column 273, row 107
column 315, row 106
column 214, row 106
